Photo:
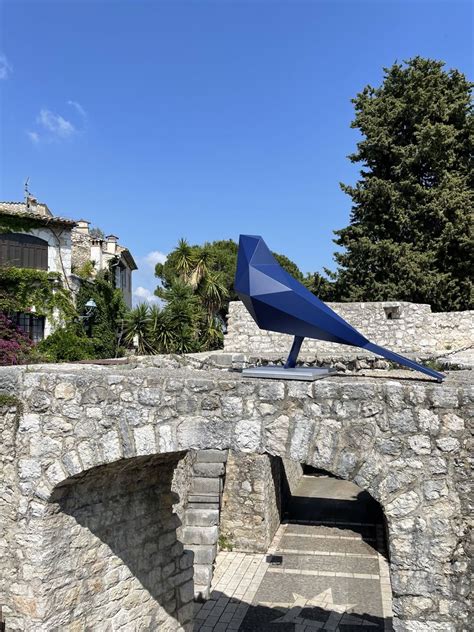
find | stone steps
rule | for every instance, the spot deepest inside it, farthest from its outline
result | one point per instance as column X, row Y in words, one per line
column 200, row 530
column 201, row 517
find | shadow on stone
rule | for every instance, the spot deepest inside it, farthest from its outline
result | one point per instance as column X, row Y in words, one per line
column 114, row 551
column 274, row 617
column 335, row 505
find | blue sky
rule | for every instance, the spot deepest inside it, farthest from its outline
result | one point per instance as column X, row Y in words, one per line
column 160, row 120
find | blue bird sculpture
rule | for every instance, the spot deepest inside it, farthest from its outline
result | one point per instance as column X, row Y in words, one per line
column 278, row 302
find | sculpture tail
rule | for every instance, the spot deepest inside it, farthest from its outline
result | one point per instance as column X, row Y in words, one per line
column 394, row 357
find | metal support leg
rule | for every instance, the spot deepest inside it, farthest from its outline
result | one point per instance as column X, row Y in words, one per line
column 294, row 351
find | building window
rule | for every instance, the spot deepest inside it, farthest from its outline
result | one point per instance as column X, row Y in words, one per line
column 123, row 278
column 31, row 324
column 23, row 251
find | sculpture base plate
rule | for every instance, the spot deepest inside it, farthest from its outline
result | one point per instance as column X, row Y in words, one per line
column 308, row 374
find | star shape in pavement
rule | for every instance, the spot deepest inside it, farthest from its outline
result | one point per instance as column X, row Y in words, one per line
column 324, row 601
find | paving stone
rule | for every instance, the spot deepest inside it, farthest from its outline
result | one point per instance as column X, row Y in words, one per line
column 304, row 594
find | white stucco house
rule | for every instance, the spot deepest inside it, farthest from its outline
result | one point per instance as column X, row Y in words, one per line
column 61, row 245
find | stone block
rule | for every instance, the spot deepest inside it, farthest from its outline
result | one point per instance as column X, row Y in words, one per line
column 186, row 560
column 182, row 577
column 203, row 554
column 209, row 470
column 185, row 613
column 202, row 485
column 205, row 501
column 185, row 592
column 200, row 535
column 211, row 456
column 201, row 517
column 202, row 593
column 202, row 574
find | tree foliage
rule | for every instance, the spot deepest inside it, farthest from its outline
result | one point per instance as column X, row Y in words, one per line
column 410, row 232
column 106, row 322
column 215, row 261
column 197, row 283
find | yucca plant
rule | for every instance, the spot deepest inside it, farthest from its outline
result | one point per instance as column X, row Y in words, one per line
column 137, row 329
column 161, row 330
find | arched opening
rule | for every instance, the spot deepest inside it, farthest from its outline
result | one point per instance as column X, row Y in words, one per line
column 111, row 552
column 326, row 567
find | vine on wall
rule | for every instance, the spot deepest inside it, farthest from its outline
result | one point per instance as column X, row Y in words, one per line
column 23, row 288
column 18, row 223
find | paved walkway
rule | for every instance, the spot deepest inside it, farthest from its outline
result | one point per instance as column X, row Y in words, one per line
column 332, row 574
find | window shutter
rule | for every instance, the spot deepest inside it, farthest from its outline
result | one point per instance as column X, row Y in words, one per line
column 23, row 251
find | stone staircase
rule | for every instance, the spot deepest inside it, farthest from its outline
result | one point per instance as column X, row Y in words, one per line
column 200, row 530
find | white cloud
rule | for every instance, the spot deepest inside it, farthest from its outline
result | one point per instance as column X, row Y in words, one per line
column 5, row 67
column 154, row 257
column 55, row 124
column 144, row 295
column 55, row 127
column 145, row 277
column 78, row 107
column 34, row 137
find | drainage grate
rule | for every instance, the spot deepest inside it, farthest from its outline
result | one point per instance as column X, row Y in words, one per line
column 274, row 560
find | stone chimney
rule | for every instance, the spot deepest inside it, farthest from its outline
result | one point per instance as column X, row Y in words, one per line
column 111, row 244
column 83, row 226
column 31, row 204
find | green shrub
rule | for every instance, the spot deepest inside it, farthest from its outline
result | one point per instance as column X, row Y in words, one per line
column 105, row 324
column 67, row 344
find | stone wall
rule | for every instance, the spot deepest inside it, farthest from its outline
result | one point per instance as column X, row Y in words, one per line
column 402, row 327
column 293, row 473
column 403, row 439
column 181, row 485
column 10, row 554
column 111, row 554
column 256, row 488
column 106, row 557
column 251, row 504
column 81, row 248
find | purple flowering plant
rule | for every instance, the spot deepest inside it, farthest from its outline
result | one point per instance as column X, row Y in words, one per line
column 15, row 345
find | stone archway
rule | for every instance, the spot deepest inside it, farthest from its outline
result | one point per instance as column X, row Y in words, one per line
column 111, row 556
column 329, row 550
column 405, row 442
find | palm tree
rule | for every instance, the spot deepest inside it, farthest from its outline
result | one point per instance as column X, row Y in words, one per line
column 201, row 266
column 212, row 332
column 161, row 330
column 184, row 259
column 137, row 329
column 184, row 313
column 213, row 292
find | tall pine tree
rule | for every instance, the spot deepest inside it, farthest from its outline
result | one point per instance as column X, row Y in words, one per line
column 410, row 232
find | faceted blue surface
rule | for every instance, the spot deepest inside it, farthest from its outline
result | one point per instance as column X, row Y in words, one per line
column 278, row 302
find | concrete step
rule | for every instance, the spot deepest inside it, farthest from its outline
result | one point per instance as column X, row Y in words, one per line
column 199, row 535
column 209, row 500
column 203, row 553
column 202, row 485
column 201, row 517
column 211, row 456
column 209, row 470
